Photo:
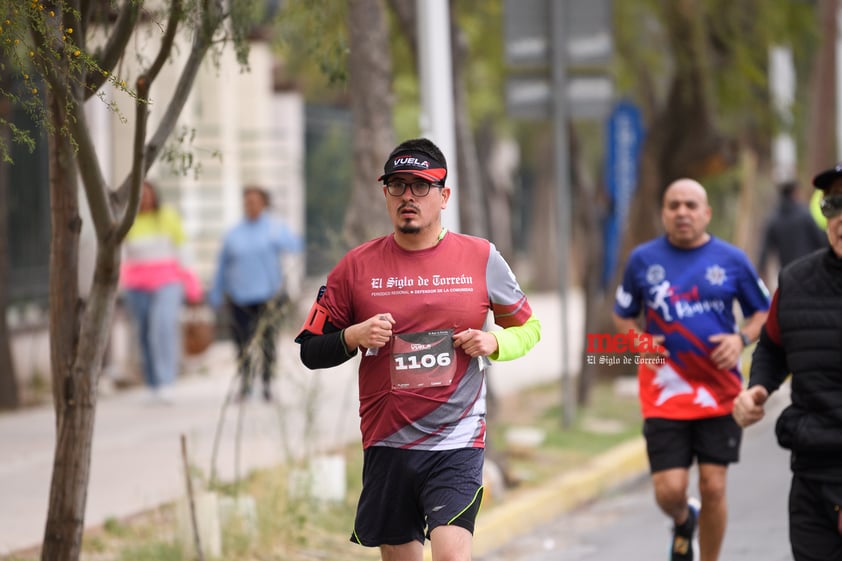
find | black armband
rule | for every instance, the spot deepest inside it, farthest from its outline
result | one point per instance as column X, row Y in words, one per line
column 324, row 351
column 322, row 343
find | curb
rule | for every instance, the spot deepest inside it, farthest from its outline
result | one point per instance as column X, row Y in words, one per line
column 515, row 516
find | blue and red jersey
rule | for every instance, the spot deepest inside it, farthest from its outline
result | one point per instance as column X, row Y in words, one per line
column 687, row 295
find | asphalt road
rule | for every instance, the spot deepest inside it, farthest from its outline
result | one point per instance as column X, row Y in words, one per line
column 626, row 524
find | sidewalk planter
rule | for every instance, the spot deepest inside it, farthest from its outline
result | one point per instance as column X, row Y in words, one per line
column 238, row 516
column 322, row 480
column 207, row 522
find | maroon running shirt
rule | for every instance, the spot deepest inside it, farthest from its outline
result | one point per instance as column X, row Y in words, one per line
column 451, row 286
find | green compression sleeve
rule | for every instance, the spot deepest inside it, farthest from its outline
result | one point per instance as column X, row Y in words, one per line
column 514, row 342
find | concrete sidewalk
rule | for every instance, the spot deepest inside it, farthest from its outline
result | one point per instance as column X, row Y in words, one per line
column 137, row 465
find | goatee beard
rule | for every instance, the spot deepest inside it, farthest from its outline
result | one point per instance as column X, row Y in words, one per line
column 409, row 229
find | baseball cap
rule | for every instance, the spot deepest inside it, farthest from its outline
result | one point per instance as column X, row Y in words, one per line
column 827, row 177
column 415, row 163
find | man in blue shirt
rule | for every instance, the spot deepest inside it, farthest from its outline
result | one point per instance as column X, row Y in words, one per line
column 250, row 280
column 684, row 285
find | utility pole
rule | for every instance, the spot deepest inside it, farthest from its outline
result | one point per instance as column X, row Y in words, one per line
column 436, row 82
column 558, row 69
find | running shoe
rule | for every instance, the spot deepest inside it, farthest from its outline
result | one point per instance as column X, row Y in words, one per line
column 683, row 535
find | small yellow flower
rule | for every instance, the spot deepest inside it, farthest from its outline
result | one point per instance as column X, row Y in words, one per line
column 123, row 83
column 105, row 72
column 31, row 53
column 26, row 76
column 69, row 30
column 17, row 41
column 77, row 52
column 52, row 13
column 35, row 90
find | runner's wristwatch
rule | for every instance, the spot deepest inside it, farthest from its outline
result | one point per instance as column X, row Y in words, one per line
column 744, row 338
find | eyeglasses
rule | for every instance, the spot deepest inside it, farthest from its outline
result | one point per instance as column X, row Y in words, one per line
column 418, row 188
column 831, row 206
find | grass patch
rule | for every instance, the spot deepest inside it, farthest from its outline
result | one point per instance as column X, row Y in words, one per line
column 610, row 419
column 162, row 551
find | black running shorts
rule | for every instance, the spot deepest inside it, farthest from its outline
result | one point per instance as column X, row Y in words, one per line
column 408, row 493
column 674, row 444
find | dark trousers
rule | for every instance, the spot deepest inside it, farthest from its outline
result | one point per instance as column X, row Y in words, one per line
column 255, row 355
column 815, row 519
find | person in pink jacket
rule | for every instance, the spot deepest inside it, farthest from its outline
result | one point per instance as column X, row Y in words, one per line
column 153, row 283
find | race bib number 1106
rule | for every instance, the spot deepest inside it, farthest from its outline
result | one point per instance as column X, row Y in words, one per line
column 423, row 359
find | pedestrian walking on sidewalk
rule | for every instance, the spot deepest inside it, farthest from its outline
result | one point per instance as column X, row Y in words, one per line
column 414, row 304
column 685, row 284
column 803, row 336
column 154, row 283
column 249, row 279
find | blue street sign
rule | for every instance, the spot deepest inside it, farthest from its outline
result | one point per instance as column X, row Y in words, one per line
column 624, row 137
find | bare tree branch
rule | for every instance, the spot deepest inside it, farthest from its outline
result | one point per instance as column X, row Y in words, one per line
column 167, row 42
column 110, row 55
column 86, row 11
column 138, row 160
column 93, row 181
column 202, row 41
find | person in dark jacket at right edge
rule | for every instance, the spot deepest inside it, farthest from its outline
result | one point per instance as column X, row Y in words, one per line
column 803, row 336
column 790, row 233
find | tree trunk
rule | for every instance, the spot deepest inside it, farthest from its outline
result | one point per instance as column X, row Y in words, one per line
column 370, row 70
column 822, row 109
column 9, row 395
column 65, row 519
column 64, row 258
column 78, row 337
column 543, row 232
column 587, row 252
column 746, row 219
column 71, row 473
column 502, row 158
column 71, row 466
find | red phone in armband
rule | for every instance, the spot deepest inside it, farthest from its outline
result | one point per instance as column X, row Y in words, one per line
column 316, row 317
